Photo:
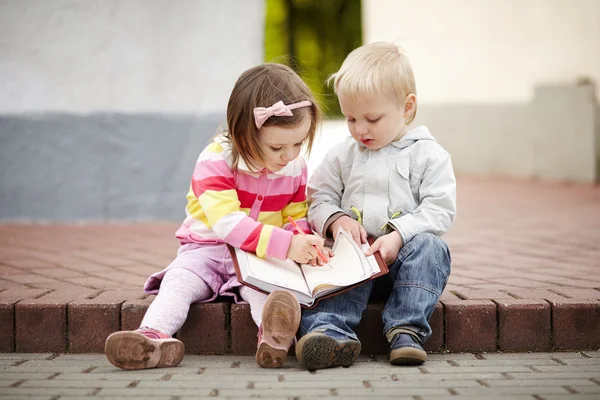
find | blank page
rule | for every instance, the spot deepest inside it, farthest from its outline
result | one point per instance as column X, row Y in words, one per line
column 347, row 267
column 272, row 270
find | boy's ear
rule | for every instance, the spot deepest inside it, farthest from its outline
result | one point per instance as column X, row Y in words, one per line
column 409, row 105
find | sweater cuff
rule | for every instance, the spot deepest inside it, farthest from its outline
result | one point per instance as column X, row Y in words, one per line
column 279, row 243
column 404, row 233
column 321, row 216
column 330, row 221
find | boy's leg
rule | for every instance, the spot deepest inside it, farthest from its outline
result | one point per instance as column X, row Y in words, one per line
column 340, row 313
column 420, row 274
column 328, row 337
column 277, row 316
column 152, row 344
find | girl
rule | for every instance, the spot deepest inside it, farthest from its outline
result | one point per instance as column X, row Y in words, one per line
column 244, row 186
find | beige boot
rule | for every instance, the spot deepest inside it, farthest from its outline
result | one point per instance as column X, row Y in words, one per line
column 280, row 321
column 144, row 348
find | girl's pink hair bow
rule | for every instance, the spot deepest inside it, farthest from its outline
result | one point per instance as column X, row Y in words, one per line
column 261, row 114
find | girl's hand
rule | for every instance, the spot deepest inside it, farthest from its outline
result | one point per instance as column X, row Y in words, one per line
column 301, row 248
column 327, row 252
column 388, row 245
column 358, row 232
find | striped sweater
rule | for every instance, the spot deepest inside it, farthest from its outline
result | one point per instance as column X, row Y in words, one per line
column 245, row 209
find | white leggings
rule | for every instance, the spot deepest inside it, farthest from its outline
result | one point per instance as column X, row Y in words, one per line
column 180, row 288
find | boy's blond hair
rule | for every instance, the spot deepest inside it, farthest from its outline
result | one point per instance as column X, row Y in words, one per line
column 376, row 68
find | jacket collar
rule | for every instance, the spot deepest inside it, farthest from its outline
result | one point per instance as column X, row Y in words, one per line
column 412, row 136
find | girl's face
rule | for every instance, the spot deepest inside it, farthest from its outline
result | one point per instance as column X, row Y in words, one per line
column 376, row 120
column 280, row 145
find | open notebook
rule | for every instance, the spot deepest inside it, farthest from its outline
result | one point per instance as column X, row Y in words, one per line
column 348, row 268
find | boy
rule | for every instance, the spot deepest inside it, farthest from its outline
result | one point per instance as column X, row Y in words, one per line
column 391, row 183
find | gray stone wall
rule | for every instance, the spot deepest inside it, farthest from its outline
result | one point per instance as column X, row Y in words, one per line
column 554, row 137
column 100, row 167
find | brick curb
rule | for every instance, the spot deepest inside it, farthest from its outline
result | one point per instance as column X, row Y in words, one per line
column 78, row 322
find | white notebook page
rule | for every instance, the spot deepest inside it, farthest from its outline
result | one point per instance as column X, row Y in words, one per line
column 274, row 271
column 348, row 266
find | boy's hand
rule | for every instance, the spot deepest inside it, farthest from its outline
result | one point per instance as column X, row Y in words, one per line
column 358, row 232
column 301, row 248
column 388, row 245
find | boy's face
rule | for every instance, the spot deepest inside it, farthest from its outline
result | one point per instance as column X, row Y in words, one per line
column 376, row 120
column 280, row 145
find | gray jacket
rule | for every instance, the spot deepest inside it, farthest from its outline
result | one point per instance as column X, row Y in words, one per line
column 409, row 186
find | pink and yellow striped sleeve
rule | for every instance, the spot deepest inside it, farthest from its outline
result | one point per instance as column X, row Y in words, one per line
column 298, row 207
column 213, row 185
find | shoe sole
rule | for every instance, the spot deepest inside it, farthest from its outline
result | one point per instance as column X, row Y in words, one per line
column 407, row 356
column 319, row 351
column 131, row 350
column 280, row 321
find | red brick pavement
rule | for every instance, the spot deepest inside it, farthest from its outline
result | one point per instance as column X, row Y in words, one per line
column 526, row 277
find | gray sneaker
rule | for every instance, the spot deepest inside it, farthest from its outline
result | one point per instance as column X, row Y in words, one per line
column 406, row 350
column 317, row 350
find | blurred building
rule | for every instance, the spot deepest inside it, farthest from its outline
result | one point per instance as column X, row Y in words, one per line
column 106, row 104
column 507, row 86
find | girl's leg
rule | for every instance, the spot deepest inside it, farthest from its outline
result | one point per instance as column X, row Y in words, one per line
column 179, row 288
column 278, row 318
column 256, row 300
column 152, row 345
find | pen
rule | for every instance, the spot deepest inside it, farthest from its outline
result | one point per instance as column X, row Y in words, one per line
column 300, row 231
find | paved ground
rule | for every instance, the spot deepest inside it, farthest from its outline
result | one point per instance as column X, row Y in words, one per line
column 509, row 235
column 535, row 376
column 526, row 276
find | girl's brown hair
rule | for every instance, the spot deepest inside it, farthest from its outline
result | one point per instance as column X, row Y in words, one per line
column 263, row 86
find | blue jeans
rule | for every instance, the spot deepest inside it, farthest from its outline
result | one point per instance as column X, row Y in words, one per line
column 419, row 275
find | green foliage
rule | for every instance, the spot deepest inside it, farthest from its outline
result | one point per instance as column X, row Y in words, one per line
column 313, row 37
